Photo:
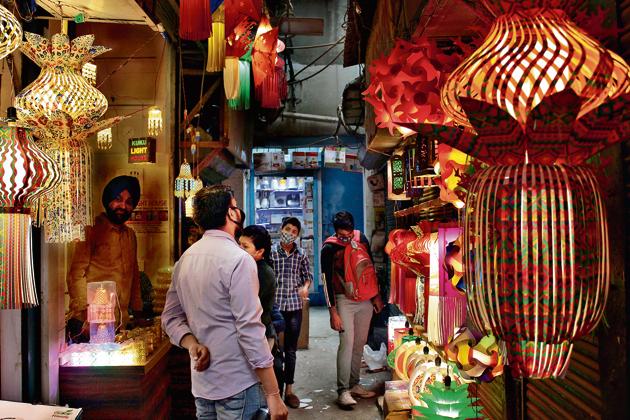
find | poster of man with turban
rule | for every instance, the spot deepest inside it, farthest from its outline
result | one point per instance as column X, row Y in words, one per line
column 109, row 253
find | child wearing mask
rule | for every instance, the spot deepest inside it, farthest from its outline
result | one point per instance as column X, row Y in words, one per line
column 294, row 277
column 257, row 242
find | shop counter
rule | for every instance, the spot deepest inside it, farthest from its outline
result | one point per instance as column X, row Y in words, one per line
column 120, row 392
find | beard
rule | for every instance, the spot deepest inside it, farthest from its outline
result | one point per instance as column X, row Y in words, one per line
column 119, row 216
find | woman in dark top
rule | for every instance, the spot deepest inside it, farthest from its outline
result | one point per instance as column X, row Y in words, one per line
column 256, row 241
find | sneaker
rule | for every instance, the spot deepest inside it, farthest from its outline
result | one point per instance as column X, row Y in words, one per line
column 346, row 401
column 292, row 400
column 358, row 391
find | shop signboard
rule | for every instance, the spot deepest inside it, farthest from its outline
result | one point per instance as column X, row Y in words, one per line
column 142, row 150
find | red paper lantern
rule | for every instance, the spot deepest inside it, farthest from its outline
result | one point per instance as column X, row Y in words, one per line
column 538, row 261
column 405, row 85
column 195, row 20
column 264, row 53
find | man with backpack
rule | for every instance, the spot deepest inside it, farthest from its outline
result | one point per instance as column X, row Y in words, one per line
column 352, row 295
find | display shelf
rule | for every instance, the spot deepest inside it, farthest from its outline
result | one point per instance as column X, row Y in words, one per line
column 281, row 208
column 279, row 190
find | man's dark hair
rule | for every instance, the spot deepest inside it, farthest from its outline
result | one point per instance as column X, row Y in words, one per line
column 261, row 239
column 293, row 221
column 343, row 220
column 211, row 205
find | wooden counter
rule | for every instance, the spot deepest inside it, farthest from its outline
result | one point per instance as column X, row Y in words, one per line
column 119, row 392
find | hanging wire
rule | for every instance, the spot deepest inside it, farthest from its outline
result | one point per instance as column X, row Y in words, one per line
column 320, row 56
column 28, row 17
column 317, row 72
column 127, row 60
column 159, row 70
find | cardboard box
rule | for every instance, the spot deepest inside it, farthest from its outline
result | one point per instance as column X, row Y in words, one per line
column 397, row 405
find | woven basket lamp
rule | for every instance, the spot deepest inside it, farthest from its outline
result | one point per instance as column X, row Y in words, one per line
column 26, row 172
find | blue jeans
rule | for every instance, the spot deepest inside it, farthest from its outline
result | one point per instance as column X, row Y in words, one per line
column 293, row 324
column 242, row 406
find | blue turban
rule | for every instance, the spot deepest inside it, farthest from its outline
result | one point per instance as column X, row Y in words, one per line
column 118, row 185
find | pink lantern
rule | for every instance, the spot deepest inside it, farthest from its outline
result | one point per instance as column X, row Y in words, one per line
column 538, row 262
column 25, row 173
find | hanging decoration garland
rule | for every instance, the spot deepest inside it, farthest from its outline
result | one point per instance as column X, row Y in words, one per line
column 10, row 34
column 26, row 173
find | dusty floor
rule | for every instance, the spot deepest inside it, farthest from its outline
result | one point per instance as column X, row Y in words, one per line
column 315, row 377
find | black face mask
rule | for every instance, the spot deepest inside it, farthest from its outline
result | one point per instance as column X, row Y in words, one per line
column 118, row 216
column 239, row 224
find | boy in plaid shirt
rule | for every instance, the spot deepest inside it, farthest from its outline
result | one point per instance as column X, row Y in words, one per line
column 293, row 278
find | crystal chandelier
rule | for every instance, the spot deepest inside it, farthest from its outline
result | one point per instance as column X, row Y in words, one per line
column 26, row 172
column 154, row 121
column 104, row 139
column 63, row 109
column 11, row 33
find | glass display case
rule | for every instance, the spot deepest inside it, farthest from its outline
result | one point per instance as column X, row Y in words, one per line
column 277, row 197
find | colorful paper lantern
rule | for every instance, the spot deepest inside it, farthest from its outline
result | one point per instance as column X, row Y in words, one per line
column 216, row 42
column 26, row 172
column 194, row 20
column 481, row 359
column 427, row 374
column 538, row 262
column 64, row 110
column 264, row 55
column 448, row 402
column 10, row 32
column 243, row 98
column 530, row 55
column 154, row 121
column 405, row 86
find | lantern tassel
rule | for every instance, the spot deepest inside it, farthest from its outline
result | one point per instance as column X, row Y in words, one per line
column 194, row 20
column 17, row 283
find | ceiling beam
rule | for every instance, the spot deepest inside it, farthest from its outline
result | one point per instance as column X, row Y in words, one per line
column 200, row 103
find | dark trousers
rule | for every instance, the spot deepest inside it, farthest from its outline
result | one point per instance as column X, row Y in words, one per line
column 293, row 322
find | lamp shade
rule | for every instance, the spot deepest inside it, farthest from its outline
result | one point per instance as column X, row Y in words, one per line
column 184, row 181
column 25, row 173
column 538, row 262
column 10, row 32
column 405, row 85
column 529, row 55
column 216, row 42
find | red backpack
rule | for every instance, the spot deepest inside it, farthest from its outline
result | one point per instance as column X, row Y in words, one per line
column 360, row 282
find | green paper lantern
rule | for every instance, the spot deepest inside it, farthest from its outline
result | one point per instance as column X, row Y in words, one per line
column 450, row 402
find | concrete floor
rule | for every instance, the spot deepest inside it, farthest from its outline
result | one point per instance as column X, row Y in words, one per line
column 316, row 377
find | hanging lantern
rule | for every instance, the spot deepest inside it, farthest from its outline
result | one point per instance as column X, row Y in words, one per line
column 264, row 54
column 538, row 262
column 189, row 204
column 154, row 120
column 405, row 86
column 242, row 101
column 104, row 139
column 64, row 109
column 184, row 181
column 529, row 55
column 240, row 19
column 194, row 20
column 25, row 173
column 444, row 400
column 216, row 42
column 10, row 32
column 481, row 359
column 89, row 72
column 429, row 373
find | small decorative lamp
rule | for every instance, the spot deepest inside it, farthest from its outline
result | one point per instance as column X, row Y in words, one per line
column 104, row 139
column 154, row 121
column 184, row 181
column 26, row 172
column 197, row 186
column 101, row 298
column 10, row 32
column 89, row 72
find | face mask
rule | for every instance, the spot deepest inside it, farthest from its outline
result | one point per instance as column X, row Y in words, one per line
column 344, row 240
column 287, row 238
column 239, row 223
